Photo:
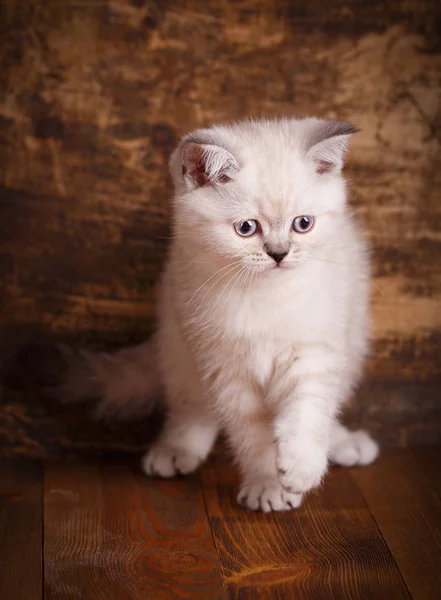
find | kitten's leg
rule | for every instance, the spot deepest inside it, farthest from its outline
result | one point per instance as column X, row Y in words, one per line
column 349, row 448
column 260, row 487
column 251, row 438
column 307, row 397
column 184, row 444
column 190, row 429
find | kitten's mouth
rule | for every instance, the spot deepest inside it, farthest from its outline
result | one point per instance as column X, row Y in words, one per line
column 283, row 267
column 268, row 269
column 276, row 268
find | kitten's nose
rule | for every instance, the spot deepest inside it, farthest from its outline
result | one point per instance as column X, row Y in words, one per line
column 277, row 256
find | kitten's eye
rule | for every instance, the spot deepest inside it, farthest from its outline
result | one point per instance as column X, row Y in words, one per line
column 303, row 224
column 246, row 228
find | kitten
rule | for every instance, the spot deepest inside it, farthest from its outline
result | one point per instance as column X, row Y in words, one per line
column 263, row 312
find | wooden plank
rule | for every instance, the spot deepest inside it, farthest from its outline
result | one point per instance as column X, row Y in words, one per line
column 330, row 548
column 112, row 533
column 21, row 523
column 408, row 514
column 429, row 460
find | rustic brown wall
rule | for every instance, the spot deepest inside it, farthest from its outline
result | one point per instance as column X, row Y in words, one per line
column 95, row 96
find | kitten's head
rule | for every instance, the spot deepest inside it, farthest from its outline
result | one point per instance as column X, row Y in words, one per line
column 262, row 193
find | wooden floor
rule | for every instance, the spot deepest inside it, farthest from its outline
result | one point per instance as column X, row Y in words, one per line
column 102, row 530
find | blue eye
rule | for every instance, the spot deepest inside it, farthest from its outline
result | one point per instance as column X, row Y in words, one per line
column 246, row 228
column 303, row 223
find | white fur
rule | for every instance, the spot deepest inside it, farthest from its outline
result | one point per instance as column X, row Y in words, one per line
column 349, row 448
column 266, row 354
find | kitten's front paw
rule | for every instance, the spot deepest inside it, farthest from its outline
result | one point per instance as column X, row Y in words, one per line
column 357, row 448
column 301, row 467
column 165, row 461
column 268, row 495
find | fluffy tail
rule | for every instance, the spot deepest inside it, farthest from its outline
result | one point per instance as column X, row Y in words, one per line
column 126, row 384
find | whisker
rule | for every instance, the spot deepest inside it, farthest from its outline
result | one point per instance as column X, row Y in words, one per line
column 335, row 246
column 210, row 278
column 305, row 268
column 220, row 279
column 253, row 275
column 234, row 278
column 247, row 277
column 242, row 279
column 330, row 261
column 376, row 287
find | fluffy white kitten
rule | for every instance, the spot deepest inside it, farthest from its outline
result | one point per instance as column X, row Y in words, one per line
column 263, row 312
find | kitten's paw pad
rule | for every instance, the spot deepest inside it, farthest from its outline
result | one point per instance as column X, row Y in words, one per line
column 165, row 461
column 303, row 470
column 358, row 448
column 267, row 495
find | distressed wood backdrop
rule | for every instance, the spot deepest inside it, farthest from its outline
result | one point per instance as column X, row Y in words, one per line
column 94, row 97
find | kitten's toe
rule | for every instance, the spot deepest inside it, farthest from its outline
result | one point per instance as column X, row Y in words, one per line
column 301, row 468
column 165, row 461
column 357, row 448
column 267, row 495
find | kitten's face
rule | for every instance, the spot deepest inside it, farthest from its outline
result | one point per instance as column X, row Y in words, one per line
column 267, row 216
column 264, row 227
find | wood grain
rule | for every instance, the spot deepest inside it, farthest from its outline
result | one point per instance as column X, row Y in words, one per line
column 371, row 533
column 21, row 525
column 329, row 548
column 112, row 533
column 408, row 514
column 95, row 97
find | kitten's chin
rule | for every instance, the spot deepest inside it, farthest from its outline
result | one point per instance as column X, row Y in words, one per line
column 271, row 270
column 282, row 269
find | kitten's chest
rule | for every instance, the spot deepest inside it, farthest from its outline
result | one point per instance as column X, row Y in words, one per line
column 276, row 316
column 255, row 334
column 253, row 363
column 248, row 340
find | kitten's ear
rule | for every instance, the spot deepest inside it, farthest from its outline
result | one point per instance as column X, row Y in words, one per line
column 327, row 143
column 202, row 159
column 206, row 164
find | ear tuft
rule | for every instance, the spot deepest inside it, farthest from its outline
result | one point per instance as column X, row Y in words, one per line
column 323, row 166
column 206, row 164
column 326, row 144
